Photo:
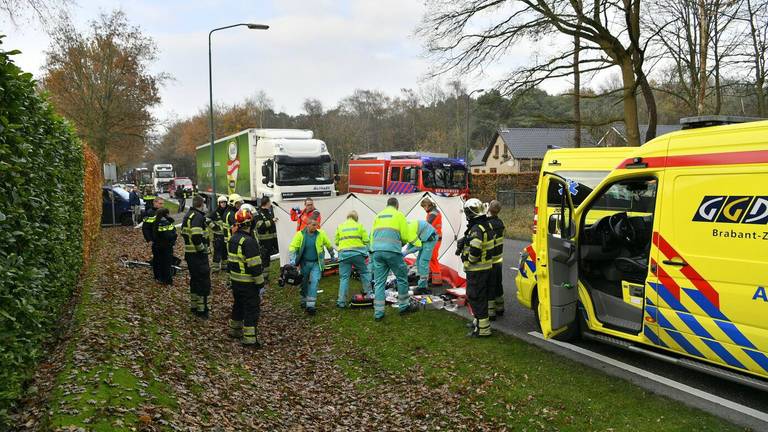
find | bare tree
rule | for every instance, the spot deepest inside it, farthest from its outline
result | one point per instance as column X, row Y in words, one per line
column 755, row 17
column 465, row 36
column 44, row 11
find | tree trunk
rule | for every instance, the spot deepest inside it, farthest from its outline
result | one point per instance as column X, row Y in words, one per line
column 650, row 103
column 760, row 94
column 576, row 92
column 630, row 103
column 703, row 47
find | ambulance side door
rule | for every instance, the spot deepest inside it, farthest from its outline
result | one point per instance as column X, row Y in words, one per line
column 557, row 262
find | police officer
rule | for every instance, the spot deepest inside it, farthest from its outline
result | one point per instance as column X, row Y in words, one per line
column 266, row 233
column 496, row 294
column 477, row 248
column 352, row 243
column 148, row 198
column 148, row 230
column 434, row 218
column 425, row 233
column 219, row 229
column 164, row 240
column 193, row 230
column 246, row 275
column 307, row 249
column 390, row 232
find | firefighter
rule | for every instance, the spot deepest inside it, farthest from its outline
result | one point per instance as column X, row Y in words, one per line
column 148, row 230
column 219, row 229
column 496, row 294
column 352, row 243
column 476, row 249
column 390, row 232
column 235, row 201
column 246, row 276
column 196, row 254
column 266, row 233
column 148, row 198
column 164, row 236
column 301, row 217
column 307, row 250
column 434, row 218
column 426, row 234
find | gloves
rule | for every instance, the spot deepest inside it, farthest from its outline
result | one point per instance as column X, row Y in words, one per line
column 296, row 209
column 460, row 245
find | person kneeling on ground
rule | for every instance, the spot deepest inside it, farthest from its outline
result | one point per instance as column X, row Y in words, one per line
column 352, row 243
column 164, row 239
column 307, row 250
column 425, row 233
column 247, row 276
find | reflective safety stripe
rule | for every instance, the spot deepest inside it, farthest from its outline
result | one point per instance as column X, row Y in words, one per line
column 243, row 263
column 166, row 228
column 249, row 335
column 351, row 237
column 150, row 219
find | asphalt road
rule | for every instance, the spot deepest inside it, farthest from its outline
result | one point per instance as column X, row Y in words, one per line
column 519, row 321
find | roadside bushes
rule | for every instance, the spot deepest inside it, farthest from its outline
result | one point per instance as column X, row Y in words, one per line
column 41, row 224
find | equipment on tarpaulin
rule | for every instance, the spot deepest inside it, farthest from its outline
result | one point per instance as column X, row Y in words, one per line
column 361, row 301
column 330, row 267
column 289, row 275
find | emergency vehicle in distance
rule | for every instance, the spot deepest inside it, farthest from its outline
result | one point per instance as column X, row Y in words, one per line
column 667, row 255
column 408, row 172
column 162, row 175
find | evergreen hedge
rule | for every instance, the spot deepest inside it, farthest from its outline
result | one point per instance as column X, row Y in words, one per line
column 41, row 223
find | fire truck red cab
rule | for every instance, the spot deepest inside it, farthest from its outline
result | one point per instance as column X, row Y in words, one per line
column 408, row 172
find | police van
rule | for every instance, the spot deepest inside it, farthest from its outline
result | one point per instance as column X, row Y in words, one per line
column 668, row 255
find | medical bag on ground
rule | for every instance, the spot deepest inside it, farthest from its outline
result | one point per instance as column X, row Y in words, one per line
column 289, row 275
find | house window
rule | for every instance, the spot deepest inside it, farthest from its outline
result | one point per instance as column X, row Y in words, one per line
column 493, row 170
column 496, row 151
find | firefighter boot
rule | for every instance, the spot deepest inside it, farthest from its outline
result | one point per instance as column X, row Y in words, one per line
column 235, row 329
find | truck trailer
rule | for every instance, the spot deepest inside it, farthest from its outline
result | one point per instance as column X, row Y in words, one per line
column 162, row 175
column 283, row 164
column 408, row 172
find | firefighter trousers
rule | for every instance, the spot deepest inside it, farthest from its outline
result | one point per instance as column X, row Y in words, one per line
column 246, row 310
column 219, row 251
column 496, row 291
column 477, row 292
column 199, row 280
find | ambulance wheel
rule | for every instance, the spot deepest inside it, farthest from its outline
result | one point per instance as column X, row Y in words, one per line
column 571, row 333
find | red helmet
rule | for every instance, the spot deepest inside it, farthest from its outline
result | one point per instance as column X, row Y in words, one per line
column 243, row 217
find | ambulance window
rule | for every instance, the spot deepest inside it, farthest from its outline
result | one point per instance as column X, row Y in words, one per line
column 395, row 174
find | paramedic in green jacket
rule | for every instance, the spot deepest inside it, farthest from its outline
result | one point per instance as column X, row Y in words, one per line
column 352, row 244
column 426, row 234
column 390, row 232
column 307, row 250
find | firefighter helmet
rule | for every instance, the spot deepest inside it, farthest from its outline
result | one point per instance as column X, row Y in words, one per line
column 234, row 199
column 474, row 208
column 249, row 208
column 222, row 198
column 243, row 217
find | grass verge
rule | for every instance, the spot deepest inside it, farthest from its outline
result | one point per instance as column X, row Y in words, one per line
column 518, row 222
column 503, row 379
column 171, row 206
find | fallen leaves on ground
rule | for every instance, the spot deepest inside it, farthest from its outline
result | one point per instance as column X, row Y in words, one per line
column 136, row 359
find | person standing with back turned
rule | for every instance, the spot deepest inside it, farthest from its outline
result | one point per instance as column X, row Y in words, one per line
column 434, row 218
column 246, row 274
column 496, row 294
column 352, row 243
column 476, row 249
column 193, row 229
column 266, row 233
column 390, row 232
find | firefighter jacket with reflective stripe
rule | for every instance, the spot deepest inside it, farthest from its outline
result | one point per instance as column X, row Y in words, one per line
column 296, row 249
column 351, row 239
column 218, row 224
column 390, row 231
column 229, row 221
column 148, row 224
column 477, row 254
column 193, row 230
column 435, row 218
column 266, row 229
column 497, row 225
column 165, row 232
column 244, row 259
column 302, row 218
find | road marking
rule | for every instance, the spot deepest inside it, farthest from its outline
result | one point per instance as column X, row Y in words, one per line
column 759, row 415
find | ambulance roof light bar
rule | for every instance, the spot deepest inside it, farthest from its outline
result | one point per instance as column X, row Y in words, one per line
column 714, row 120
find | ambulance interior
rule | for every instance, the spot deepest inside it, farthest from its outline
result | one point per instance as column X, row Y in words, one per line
column 614, row 247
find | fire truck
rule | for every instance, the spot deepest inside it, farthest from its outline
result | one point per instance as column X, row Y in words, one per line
column 408, row 172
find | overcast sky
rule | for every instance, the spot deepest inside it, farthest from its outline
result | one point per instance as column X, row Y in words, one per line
column 323, row 49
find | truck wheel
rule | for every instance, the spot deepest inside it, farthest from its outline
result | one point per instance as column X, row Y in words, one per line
column 126, row 219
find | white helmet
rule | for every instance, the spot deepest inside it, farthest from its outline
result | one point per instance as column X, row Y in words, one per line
column 473, row 208
column 249, row 208
column 222, row 198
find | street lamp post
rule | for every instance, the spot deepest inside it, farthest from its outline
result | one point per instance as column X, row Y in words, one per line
column 210, row 95
column 469, row 98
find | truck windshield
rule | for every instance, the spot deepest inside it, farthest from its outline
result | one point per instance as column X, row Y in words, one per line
column 450, row 178
column 164, row 174
column 304, row 172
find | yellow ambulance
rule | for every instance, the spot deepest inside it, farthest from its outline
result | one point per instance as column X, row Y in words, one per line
column 668, row 255
column 583, row 169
